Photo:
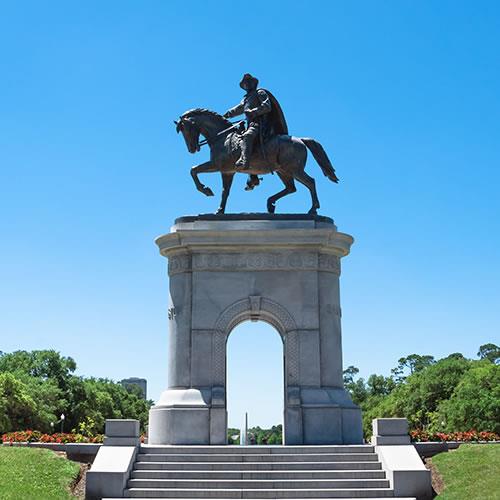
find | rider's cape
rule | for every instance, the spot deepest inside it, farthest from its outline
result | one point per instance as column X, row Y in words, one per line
column 277, row 122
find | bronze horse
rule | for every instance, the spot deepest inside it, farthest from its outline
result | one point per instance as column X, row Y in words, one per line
column 283, row 154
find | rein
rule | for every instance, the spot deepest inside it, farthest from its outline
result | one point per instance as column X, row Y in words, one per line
column 234, row 125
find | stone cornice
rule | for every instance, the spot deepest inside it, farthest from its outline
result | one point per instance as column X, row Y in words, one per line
column 323, row 240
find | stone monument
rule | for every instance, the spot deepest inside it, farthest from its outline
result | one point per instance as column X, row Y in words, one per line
column 281, row 269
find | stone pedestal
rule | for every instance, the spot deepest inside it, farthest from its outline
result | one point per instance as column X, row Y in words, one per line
column 282, row 269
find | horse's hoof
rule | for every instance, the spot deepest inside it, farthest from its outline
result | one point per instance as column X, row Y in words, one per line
column 207, row 191
column 313, row 211
column 271, row 209
column 219, row 211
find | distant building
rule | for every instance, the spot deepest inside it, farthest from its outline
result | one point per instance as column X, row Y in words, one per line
column 142, row 383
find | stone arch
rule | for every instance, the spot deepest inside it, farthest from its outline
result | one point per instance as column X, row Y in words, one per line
column 256, row 308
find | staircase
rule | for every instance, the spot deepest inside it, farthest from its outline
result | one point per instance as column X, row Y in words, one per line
column 296, row 472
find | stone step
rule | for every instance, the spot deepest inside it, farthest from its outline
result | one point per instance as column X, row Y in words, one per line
column 256, row 493
column 259, row 475
column 256, row 466
column 233, row 457
column 244, row 484
column 256, row 450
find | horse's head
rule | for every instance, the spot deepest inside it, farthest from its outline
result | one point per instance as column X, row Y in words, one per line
column 200, row 121
column 190, row 131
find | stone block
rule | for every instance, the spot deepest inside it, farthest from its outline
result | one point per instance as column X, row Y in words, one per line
column 218, row 426
column 406, row 471
column 110, row 472
column 121, row 441
column 179, row 425
column 352, row 426
column 122, row 428
column 390, row 427
column 390, row 440
column 322, row 425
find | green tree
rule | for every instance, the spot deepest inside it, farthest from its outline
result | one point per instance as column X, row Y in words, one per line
column 419, row 396
column 491, row 352
column 46, row 364
column 47, row 377
column 357, row 388
column 412, row 363
column 349, row 373
column 25, row 405
column 475, row 402
column 378, row 385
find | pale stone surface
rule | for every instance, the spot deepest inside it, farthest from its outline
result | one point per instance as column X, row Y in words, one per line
column 390, row 440
column 110, row 472
column 390, row 431
column 111, row 468
column 400, row 460
column 390, row 426
column 283, row 270
column 405, row 471
column 122, row 428
column 121, row 441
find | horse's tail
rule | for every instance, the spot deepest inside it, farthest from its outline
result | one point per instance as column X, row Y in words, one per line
column 321, row 158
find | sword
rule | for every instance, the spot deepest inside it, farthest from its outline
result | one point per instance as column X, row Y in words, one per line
column 235, row 125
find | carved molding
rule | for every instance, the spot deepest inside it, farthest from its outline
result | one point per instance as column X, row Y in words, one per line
column 179, row 263
column 254, row 261
column 255, row 307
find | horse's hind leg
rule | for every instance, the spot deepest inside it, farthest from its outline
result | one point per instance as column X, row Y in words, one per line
column 227, row 181
column 289, row 188
column 310, row 184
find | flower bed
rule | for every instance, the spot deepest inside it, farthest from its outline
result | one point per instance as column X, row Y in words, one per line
column 31, row 436
column 420, row 436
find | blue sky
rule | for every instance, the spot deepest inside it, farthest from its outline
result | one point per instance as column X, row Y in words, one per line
column 402, row 95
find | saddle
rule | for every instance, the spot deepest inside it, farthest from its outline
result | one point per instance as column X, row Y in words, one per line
column 262, row 149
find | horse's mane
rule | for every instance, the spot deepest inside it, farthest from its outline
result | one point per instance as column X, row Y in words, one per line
column 203, row 111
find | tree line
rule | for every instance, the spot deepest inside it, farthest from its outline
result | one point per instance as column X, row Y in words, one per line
column 446, row 395
column 37, row 387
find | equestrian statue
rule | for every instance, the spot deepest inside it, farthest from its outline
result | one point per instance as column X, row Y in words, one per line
column 258, row 145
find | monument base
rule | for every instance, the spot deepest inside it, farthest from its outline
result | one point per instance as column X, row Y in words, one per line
column 317, row 416
column 187, row 417
column 281, row 269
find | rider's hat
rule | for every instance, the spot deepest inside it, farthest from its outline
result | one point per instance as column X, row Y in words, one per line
column 247, row 77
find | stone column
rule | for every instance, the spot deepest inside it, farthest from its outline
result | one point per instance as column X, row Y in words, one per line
column 179, row 315
column 330, row 329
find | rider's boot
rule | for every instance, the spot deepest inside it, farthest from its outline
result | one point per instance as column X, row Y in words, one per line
column 243, row 162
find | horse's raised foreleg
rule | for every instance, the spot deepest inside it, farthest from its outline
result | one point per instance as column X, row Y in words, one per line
column 310, row 184
column 289, row 188
column 227, row 181
column 204, row 168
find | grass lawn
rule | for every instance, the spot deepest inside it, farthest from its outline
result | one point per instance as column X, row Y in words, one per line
column 471, row 472
column 35, row 474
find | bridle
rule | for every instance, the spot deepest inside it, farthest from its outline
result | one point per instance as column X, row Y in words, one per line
column 238, row 125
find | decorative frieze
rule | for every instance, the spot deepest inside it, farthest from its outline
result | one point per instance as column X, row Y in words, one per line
column 253, row 261
column 179, row 263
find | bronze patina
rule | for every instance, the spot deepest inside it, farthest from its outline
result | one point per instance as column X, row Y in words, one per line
column 263, row 146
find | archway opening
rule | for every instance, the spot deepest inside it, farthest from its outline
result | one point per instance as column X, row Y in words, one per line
column 255, row 383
